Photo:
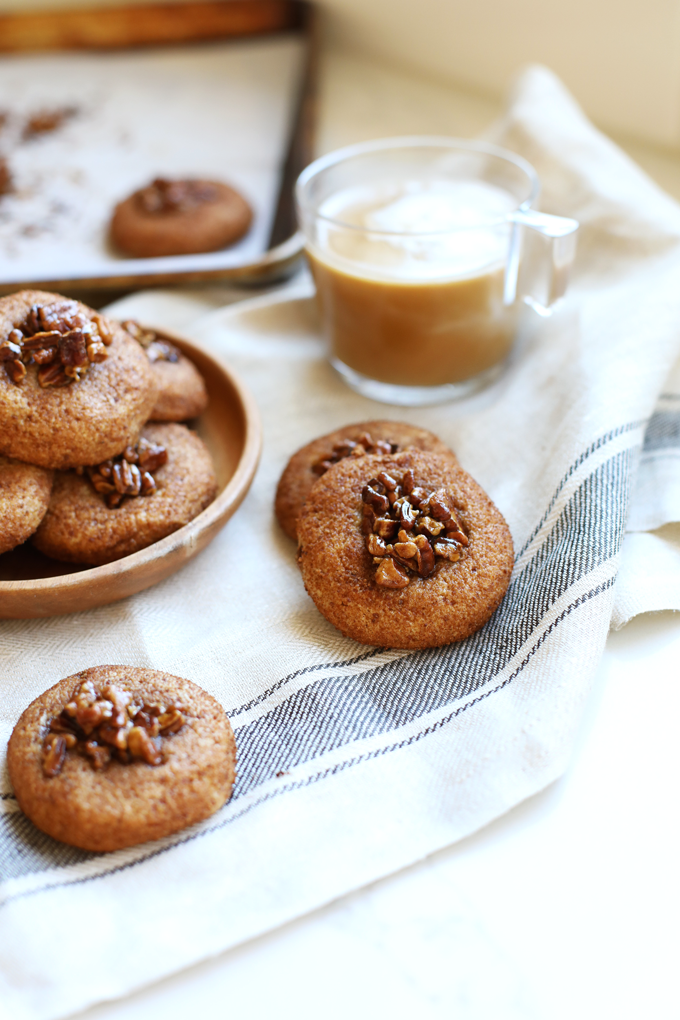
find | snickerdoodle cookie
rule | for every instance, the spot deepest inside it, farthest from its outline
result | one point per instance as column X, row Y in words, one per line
column 24, row 497
column 179, row 218
column 127, row 502
column 313, row 460
column 75, row 388
column 117, row 755
column 182, row 392
column 403, row 551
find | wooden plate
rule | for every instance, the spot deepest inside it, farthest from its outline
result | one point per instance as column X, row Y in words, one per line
column 32, row 585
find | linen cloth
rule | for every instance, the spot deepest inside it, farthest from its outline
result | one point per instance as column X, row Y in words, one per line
column 356, row 761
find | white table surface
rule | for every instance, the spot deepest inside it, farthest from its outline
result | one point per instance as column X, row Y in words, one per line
column 566, row 907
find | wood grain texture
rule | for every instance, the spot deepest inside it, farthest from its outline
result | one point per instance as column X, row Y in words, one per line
column 145, row 25
column 231, row 429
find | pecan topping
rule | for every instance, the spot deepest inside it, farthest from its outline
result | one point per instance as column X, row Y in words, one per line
column 349, row 448
column 163, row 196
column 45, row 121
column 129, row 474
column 156, row 346
column 109, row 723
column 5, row 177
column 60, row 339
column 425, row 524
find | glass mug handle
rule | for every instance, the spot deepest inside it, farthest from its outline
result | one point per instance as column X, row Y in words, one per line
column 559, row 234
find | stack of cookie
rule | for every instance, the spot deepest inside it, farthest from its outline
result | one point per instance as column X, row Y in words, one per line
column 398, row 546
column 93, row 464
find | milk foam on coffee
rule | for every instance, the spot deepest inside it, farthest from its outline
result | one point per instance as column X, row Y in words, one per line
column 424, row 230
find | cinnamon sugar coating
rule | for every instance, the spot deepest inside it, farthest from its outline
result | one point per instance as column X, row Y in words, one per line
column 340, row 574
column 80, row 528
column 24, row 497
column 76, row 424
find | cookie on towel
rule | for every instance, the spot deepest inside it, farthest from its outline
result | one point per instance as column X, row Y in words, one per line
column 310, row 462
column 74, row 387
column 24, row 498
column 403, row 551
column 130, row 501
column 117, row 755
column 180, row 217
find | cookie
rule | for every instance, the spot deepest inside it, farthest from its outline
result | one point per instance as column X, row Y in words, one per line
column 24, row 497
column 307, row 465
column 403, row 551
column 117, row 755
column 128, row 502
column 181, row 388
column 179, row 218
column 74, row 387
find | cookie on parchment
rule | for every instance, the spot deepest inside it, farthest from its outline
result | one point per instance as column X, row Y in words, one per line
column 24, row 498
column 75, row 388
column 126, row 503
column 117, row 755
column 181, row 217
column 182, row 393
column 312, row 461
column 403, row 551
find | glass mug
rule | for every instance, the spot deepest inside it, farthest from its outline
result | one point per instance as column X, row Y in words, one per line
column 416, row 246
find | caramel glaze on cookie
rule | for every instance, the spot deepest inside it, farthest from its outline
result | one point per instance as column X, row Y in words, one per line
column 24, row 498
column 85, row 420
column 339, row 573
column 79, row 527
column 100, row 803
column 306, row 466
column 180, row 217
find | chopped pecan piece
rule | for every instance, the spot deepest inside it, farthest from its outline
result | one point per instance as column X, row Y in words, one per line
column 151, row 455
column 141, row 745
column 54, row 755
column 99, row 756
column 385, row 527
column 45, row 121
column 5, row 177
column 376, row 500
column 16, row 370
column 157, row 346
column 171, row 721
column 391, row 575
column 9, row 351
column 53, row 374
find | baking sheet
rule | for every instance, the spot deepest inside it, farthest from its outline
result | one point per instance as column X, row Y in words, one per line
column 217, row 110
